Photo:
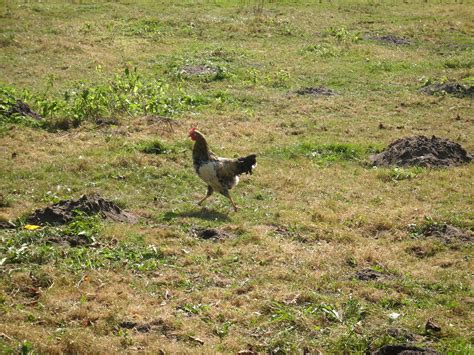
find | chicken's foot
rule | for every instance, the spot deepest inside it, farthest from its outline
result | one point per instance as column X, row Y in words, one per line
column 233, row 203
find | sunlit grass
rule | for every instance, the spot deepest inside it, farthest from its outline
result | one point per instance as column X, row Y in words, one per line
column 118, row 86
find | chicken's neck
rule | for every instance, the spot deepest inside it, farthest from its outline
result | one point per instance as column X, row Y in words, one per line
column 201, row 150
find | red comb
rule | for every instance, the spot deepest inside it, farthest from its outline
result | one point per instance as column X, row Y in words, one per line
column 192, row 130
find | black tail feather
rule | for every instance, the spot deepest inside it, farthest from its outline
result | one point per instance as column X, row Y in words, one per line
column 246, row 164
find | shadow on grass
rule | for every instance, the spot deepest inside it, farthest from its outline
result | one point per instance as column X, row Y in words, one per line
column 204, row 213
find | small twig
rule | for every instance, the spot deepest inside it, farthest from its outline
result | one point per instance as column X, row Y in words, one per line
column 4, row 336
column 456, row 107
column 80, row 281
column 197, row 340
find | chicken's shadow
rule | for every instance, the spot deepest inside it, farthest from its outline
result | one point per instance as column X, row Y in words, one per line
column 204, row 213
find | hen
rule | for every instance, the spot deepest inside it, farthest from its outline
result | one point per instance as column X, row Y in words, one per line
column 220, row 174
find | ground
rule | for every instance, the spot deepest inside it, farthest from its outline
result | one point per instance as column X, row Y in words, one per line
column 327, row 253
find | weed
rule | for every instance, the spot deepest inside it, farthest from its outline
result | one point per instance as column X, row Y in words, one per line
column 342, row 35
column 28, row 247
column 282, row 313
column 279, row 79
column 399, row 174
column 322, row 50
column 84, row 226
column 223, row 330
column 420, row 228
column 26, row 348
column 194, row 308
column 354, row 311
column 7, row 39
column 128, row 93
column 9, row 113
column 328, row 311
column 146, row 28
column 154, row 147
column 349, row 343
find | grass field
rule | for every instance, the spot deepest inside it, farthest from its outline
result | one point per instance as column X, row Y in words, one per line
column 312, row 216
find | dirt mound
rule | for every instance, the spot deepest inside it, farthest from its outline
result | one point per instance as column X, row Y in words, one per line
column 64, row 211
column 403, row 349
column 22, row 109
column 316, row 91
column 450, row 87
column 448, row 233
column 422, row 151
column 209, row 233
column 391, row 39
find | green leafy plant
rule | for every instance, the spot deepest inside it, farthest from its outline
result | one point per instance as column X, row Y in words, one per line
column 85, row 226
column 9, row 110
column 400, row 174
column 282, row 313
column 128, row 93
column 194, row 308
column 342, row 35
column 223, row 330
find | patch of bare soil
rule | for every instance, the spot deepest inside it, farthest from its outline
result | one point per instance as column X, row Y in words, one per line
column 401, row 333
column 198, row 70
column 21, row 108
column 107, row 122
column 391, row 39
column 209, row 233
column 64, row 211
column 316, row 91
column 70, row 240
column 448, row 233
column 370, row 275
column 421, row 251
column 403, row 349
column 451, row 88
column 422, row 151
column 158, row 325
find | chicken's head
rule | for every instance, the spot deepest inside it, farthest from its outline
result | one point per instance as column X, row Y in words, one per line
column 192, row 133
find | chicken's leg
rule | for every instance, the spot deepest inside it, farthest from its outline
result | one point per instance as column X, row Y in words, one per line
column 227, row 194
column 210, row 190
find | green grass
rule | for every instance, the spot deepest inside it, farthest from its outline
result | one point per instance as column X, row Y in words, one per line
column 118, row 86
column 327, row 153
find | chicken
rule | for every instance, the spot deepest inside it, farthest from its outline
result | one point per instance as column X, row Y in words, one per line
column 220, row 174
